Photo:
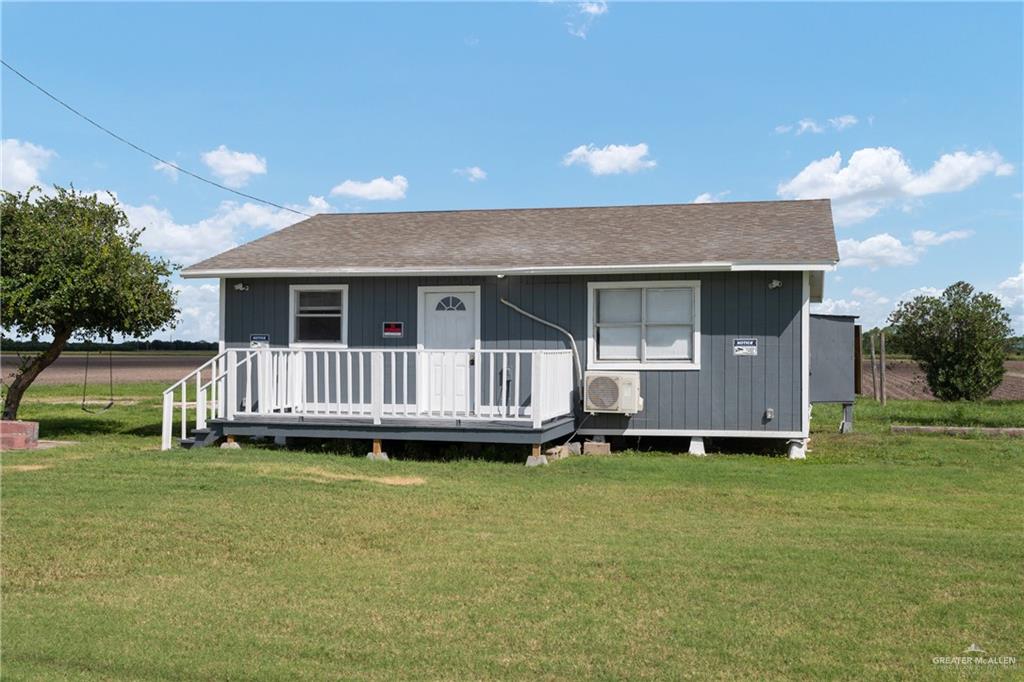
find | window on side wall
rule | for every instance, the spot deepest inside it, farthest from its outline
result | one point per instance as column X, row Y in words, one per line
column 319, row 315
column 644, row 325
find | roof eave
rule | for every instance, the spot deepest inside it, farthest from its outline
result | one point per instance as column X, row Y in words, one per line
column 812, row 266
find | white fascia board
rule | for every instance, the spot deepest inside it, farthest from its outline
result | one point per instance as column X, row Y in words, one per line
column 784, row 267
column 550, row 270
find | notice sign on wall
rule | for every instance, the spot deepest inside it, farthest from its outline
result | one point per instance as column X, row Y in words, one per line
column 259, row 340
column 744, row 346
column 393, row 330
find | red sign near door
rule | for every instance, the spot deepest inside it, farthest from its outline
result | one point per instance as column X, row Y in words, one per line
column 394, row 330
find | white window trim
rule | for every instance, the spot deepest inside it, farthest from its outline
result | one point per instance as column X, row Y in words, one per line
column 679, row 365
column 421, row 298
column 293, row 299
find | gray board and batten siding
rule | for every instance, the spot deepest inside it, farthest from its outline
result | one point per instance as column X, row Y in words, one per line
column 727, row 393
column 832, row 358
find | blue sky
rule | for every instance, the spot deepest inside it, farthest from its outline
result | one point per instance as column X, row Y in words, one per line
column 908, row 116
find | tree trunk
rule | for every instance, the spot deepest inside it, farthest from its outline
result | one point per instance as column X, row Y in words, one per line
column 28, row 373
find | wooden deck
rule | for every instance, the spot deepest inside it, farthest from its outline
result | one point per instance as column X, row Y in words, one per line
column 450, row 430
column 489, row 396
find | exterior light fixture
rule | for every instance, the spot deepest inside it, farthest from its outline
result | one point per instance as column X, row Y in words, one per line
column 241, row 286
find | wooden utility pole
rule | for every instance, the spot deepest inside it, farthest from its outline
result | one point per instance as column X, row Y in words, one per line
column 881, row 370
column 874, row 380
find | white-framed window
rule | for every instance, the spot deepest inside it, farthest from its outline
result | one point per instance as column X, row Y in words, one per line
column 318, row 315
column 653, row 324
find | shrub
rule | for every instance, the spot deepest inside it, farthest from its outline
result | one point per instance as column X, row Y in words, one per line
column 958, row 339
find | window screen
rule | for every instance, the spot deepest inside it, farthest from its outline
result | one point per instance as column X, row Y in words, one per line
column 318, row 316
column 644, row 323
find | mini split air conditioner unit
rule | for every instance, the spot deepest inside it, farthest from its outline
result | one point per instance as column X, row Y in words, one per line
column 615, row 392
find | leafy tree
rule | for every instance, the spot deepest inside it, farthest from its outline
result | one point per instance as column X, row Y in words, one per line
column 958, row 339
column 1015, row 345
column 893, row 343
column 72, row 266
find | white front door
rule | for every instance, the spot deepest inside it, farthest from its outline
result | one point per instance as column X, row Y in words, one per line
column 450, row 326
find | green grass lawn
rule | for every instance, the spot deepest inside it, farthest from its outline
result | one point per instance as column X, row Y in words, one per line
column 868, row 559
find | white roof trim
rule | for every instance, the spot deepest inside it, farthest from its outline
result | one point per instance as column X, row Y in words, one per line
column 548, row 270
column 784, row 267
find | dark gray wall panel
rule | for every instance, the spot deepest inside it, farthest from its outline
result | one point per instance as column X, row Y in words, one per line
column 728, row 392
column 832, row 351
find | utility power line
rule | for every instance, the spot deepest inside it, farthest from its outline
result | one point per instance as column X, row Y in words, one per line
column 136, row 147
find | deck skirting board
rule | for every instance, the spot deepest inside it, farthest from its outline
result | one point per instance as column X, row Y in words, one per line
column 705, row 433
column 466, row 432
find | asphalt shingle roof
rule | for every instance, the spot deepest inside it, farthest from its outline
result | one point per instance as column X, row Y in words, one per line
column 794, row 232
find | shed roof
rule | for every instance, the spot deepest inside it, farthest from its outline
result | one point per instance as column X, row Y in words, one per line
column 732, row 235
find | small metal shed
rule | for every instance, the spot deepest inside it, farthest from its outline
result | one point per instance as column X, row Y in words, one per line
column 835, row 351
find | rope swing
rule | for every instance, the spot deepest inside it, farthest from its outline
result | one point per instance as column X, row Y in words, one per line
column 85, row 384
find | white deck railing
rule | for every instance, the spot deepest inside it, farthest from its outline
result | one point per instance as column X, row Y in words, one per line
column 527, row 386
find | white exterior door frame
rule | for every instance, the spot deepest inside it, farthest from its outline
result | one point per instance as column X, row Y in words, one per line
column 421, row 293
column 445, row 367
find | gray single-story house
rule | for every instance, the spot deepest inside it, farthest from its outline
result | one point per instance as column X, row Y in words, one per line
column 517, row 326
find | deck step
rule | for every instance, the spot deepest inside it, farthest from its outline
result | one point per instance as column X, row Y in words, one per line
column 199, row 438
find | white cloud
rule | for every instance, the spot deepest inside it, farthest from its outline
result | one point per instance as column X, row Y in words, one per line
column 957, row 171
column 910, row 294
column 1011, row 289
column 869, row 295
column 234, row 168
column 472, row 173
column 610, row 159
column 710, row 197
column 593, row 8
column 808, row 125
column 167, row 169
column 315, row 205
column 929, row 238
column 884, row 250
column 373, row 190
column 872, row 307
column 183, row 243
column 21, row 163
column 875, row 177
column 837, row 306
column 1011, row 292
column 843, row 122
column 878, row 251
column 231, row 224
column 585, row 13
column 200, row 309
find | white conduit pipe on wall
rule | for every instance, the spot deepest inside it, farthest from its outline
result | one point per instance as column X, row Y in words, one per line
column 572, row 341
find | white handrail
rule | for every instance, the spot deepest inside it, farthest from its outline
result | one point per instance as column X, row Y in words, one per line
column 194, row 372
column 204, row 408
